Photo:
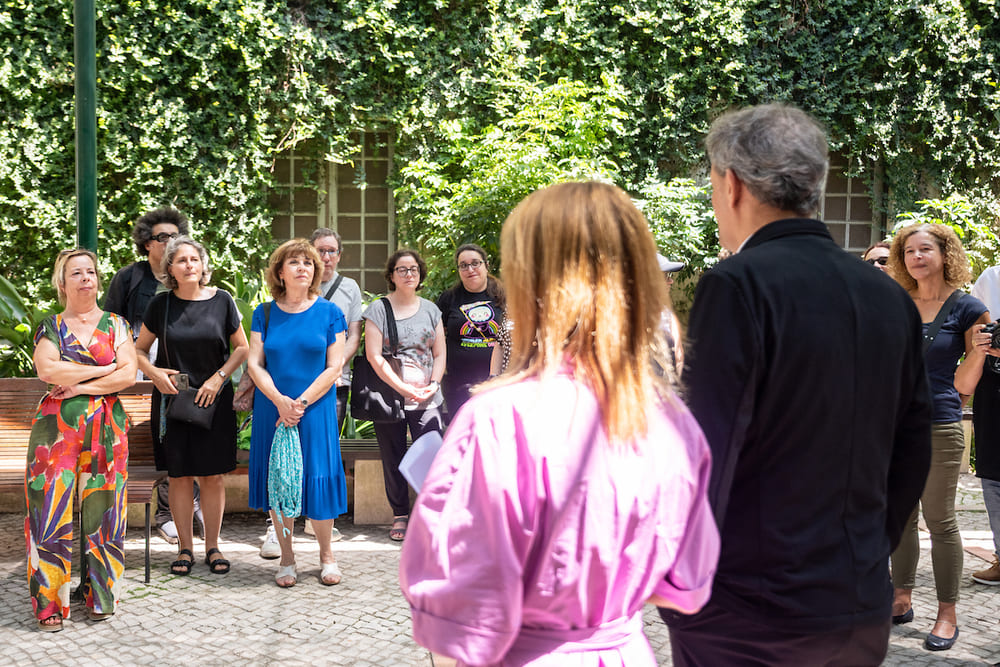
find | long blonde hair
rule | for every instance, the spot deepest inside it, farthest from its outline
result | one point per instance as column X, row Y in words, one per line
column 584, row 289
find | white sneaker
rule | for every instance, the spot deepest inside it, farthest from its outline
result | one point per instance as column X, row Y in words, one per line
column 270, row 549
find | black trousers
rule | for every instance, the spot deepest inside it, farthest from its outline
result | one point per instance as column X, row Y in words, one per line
column 392, row 445
column 717, row 636
column 343, row 393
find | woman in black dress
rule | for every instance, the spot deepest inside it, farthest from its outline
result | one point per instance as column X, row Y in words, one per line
column 196, row 326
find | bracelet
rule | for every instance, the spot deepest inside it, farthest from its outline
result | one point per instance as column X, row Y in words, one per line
column 222, row 374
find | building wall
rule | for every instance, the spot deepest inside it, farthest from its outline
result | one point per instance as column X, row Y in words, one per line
column 352, row 198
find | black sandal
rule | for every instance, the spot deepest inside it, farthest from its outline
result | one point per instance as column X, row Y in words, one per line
column 182, row 566
column 217, row 566
column 398, row 531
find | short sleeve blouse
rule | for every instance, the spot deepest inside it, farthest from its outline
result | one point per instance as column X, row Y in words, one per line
column 943, row 354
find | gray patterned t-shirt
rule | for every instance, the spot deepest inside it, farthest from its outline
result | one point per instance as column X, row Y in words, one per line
column 416, row 345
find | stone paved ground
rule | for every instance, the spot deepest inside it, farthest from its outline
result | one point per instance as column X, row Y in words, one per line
column 244, row 619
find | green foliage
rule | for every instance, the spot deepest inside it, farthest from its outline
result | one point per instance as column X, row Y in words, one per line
column 248, row 294
column 681, row 218
column 485, row 102
column 973, row 216
column 463, row 190
column 18, row 322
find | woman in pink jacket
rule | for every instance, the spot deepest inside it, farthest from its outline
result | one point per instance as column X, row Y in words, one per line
column 571, row 490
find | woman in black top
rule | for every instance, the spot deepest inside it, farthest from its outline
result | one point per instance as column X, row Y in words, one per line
column 196, row 326
column 472, row 313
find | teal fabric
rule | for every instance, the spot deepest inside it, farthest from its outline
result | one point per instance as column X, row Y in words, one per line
column 284, row 475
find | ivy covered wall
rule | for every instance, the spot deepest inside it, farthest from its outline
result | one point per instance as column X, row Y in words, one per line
column 197, row 97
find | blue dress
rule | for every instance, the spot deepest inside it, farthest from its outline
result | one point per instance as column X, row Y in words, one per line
column 295, row 347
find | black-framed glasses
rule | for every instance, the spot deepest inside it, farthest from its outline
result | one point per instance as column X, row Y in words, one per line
column 881, row 261
column 401, row 271
column 163, row 237
column 474, row 264
column 324, row 252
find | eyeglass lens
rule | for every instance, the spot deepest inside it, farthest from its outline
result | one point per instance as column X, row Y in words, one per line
column 881, row 261
column 403, row 270
column 163, row 237
column 474, row 264
column 329, row 252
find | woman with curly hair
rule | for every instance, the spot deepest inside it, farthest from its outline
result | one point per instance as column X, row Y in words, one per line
column 929, row 262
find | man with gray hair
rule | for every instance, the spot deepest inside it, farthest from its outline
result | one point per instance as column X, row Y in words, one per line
column 805, row 369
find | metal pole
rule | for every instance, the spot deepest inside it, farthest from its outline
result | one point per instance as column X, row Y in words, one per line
column 85, row 57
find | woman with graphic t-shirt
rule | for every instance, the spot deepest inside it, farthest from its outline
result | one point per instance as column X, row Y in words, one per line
column 472, row 313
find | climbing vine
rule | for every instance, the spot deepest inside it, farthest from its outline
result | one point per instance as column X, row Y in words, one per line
column 485, row 100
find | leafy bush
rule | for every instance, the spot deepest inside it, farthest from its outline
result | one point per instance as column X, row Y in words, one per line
column 485, row 101
column 463, row 189
column 18, row 322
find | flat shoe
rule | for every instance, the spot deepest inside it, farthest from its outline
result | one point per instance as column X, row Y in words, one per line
column 182, row 566
column 905, row 617
column 284, row 572
column 936, row 643
column 218, row 566
column 398, row 531
column 98, row 616
column 47, row 625
column 330, row 575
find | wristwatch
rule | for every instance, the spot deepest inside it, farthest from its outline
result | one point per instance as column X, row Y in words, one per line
column 304, row 402
column 222, row 374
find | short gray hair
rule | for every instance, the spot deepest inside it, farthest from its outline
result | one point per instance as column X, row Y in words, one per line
column 322, row 233
column 779, row 152
column 168, row 259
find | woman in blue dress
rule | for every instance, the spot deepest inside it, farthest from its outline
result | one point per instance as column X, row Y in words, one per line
column 296, row 353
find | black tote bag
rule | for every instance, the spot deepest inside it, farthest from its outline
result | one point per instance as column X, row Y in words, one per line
column 372, row 399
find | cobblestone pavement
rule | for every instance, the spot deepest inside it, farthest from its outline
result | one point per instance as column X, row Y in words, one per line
column 243, row 618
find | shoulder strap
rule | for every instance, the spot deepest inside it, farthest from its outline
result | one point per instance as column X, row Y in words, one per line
column 267, row 318
column 390, row 326
column 163, row 338
column 333, row 288
column 935, row 327
column 135, row 279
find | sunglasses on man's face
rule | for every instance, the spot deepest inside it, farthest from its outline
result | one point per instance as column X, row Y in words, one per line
column 881, row 261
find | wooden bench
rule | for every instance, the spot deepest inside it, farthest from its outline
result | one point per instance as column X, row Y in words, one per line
column 19, row 399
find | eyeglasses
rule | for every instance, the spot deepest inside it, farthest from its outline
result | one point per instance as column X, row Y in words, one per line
column 401, row 271
column 474, row 264
column 881, row 261
column 332, row 253
column 163, row 237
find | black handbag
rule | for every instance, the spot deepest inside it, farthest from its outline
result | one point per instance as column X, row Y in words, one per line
column 182, row 406
column 372, row 399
